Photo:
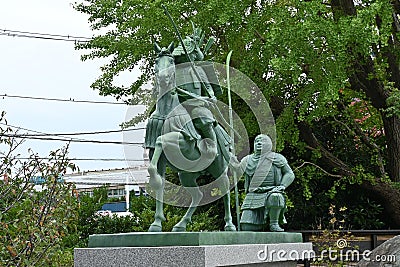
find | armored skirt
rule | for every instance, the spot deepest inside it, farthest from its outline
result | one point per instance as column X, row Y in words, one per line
column 254, row 211
column 178, row 121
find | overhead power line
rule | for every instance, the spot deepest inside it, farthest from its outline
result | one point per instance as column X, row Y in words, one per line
column 25, row 129
column 62, row 100
column 104, row 159
column 53, row 137
column 70, row 140
column 76, row 159
column 69, row 134
column 111, row 183
column 44, row 36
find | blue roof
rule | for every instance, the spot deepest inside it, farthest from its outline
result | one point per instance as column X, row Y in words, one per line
column 38, row 180
column 115, row 206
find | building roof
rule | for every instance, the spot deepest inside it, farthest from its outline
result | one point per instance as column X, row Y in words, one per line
column 128, row 176
column 115, row 206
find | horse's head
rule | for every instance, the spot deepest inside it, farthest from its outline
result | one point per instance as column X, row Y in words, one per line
column 164, row 67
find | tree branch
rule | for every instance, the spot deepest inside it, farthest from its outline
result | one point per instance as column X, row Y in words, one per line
column 315, row 165
column 260, row 37
column 364, row 138
column 314, row 144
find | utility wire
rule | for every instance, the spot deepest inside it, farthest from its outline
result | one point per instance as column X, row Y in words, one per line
column 62, row 100
column 71, row 140
column 111, row 183
column 42, row 37
column 41, row 136
column 45, row 34
column 69, row 134
column 25, row 129
column 75, row 159
column 39, row 133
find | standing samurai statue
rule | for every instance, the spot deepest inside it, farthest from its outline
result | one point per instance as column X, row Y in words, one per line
column 267, row 175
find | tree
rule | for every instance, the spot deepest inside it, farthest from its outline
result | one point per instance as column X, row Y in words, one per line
column 329, row 68
column 33, row 221
column 88, row 205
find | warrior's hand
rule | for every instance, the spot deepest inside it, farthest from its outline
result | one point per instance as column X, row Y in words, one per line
column 280, row 188
column 234, row 162
column 235, row 165
column 213, row 99
column 265, row 189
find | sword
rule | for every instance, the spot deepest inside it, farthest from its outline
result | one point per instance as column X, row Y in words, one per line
column 235, row 180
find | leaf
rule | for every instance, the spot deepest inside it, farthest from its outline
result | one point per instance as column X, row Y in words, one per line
column 12, row 251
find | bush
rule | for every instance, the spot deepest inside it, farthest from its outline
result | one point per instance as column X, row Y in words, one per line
column 33, row 222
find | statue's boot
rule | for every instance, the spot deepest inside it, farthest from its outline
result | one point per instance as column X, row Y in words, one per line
column 274, row 227
column 209, row 133
column 203, row 121
column 274, row 214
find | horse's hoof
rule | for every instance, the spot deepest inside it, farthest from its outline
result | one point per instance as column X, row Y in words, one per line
column 179, row 229
column 155, row 228
column 275, row 228
column 230, row 227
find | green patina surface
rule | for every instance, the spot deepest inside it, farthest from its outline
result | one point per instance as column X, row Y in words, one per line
column 151, row 239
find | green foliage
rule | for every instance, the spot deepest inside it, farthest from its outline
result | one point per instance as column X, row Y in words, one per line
column 301, row 43
column 325, row 70
column 88, row 205
column 143, row 209
column 63, row 257
column 333, row 239
column 111, row 225
column 394, row 103
column 366, row 215
column 34, row 221
column 363, row 211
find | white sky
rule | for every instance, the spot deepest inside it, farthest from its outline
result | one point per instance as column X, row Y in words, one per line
column 53, row 69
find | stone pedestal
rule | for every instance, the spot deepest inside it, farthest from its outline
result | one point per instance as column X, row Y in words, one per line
column 193, row 249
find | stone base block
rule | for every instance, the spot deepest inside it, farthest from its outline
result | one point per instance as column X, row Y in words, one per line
column 151, row 239
column 283, row 255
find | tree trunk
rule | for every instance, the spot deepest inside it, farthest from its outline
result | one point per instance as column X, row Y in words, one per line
column 378, row 95
column 361, row 78
column 387, row 194
column 389, row 198
column 392, row 133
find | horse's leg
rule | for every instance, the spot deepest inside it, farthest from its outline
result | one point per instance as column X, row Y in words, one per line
column 229, row 226
column 156, row 181
column 188, row 180
column 219, row 170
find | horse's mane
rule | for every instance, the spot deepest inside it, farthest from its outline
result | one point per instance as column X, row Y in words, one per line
column 164, row 52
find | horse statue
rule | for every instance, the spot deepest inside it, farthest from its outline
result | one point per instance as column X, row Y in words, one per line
column 174, row 141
